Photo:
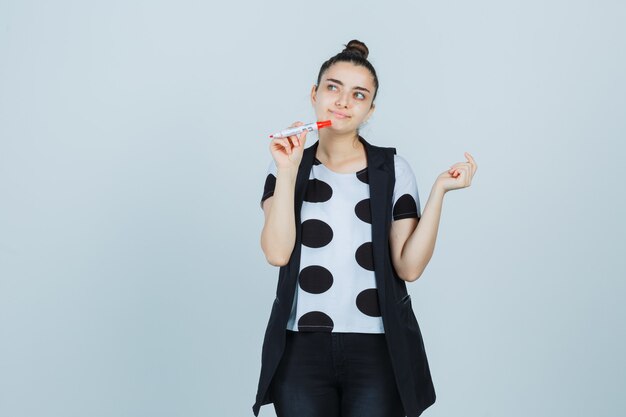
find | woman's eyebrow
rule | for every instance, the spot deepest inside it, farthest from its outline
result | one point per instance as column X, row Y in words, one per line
column 340, row 83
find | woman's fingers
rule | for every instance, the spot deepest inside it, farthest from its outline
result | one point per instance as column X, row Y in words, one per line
column 465, row 175
column 286, row 146
column 302, row 137
column 282, row 143
column 287, row 151
column 290, row 143
column 472, row 162
column 462, row 172
column 454, row 168
column 291, row 146
column 294, row 139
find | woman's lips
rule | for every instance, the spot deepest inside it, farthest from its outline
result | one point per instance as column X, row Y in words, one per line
column 339, row 115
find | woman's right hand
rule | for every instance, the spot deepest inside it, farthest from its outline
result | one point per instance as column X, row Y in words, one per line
column 287, row 152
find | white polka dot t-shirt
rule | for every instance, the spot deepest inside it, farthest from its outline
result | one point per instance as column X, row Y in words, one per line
column 336, row 289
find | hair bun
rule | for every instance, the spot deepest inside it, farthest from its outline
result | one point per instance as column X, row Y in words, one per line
column 358, row 47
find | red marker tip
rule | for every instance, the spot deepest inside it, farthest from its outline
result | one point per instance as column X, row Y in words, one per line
column 324, row 123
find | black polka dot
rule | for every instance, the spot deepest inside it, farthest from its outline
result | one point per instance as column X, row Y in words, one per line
column 316, row 233
column 363, row 210
column 315, row 279
column 316, row 161
column 268, row 188
column 317, row 191
column 405, row 207
column 365, row 256
column 315, row 321
column 367, row 302
column 362, row 176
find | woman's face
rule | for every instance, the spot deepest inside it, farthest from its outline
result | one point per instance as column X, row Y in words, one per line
column 344, row 96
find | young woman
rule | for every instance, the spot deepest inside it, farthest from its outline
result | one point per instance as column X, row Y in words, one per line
column 342, row 220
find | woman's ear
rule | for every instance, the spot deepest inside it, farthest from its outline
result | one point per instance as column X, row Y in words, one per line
column 313, row 93
column 371, row 111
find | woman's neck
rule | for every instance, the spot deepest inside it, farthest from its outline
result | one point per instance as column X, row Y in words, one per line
column 338, row 148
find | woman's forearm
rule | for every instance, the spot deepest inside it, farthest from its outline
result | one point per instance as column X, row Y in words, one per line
column 420, row 245
column 279, row 232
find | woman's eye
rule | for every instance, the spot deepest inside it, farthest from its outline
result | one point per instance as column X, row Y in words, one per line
column 360, row 96
column 331, row 87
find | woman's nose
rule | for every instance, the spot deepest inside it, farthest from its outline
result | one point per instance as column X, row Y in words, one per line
column 342, row 100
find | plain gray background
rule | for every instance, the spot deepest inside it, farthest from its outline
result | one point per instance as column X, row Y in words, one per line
column 133, row 149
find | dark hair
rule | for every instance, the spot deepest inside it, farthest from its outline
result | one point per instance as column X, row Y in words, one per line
column 355, row 52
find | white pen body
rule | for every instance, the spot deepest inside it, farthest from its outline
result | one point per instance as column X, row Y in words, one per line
column 295, row 130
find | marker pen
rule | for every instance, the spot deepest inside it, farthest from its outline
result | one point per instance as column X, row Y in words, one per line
column 299, row 129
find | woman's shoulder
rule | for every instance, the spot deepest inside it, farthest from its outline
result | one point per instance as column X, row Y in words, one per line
column 401, row 164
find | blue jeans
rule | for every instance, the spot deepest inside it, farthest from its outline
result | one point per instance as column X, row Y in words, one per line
column 323, row 374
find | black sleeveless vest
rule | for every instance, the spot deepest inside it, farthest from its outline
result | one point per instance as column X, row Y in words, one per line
column 402, row 332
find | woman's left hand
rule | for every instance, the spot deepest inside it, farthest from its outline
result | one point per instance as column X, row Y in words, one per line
column 458, row 176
